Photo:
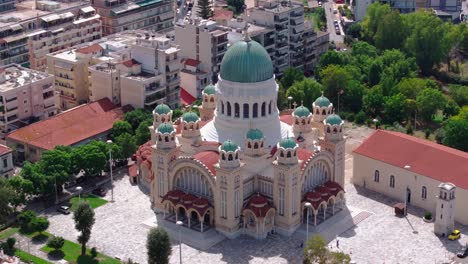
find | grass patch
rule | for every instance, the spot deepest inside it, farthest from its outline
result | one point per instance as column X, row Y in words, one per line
column 93, row 201
column 72, row 253
column 25, row 257
column 8, row 232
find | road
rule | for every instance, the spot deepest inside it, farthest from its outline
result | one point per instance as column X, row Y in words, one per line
column 328, row 6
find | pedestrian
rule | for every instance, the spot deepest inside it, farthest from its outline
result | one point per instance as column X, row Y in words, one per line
column 338, row 243
column 302, row 244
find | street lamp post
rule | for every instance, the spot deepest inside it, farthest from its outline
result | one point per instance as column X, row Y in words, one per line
column 111, row 176
column 308, row 206
column 289, row 101
column 56, row 192
column 79, row 189
column 180, row 223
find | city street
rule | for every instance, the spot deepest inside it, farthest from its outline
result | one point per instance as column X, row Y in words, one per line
column 328, row 6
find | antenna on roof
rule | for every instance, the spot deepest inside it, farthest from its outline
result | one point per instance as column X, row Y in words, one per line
column 246, row 28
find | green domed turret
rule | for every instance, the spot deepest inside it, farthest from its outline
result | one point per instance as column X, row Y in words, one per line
column 229, row 146
column 288, row 143
column 302, row 111
column 165, row 128
column 322, row 101
column 254, row 134
column 246, row 62
column 209, row 89
column 162, row 109
column 333, row 120
column 190, row 117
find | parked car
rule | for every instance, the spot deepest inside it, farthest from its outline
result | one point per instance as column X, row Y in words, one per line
column 64, row 209
column 454, row 235
column 462, row 251
column 338, row 32
column 335, row 11
column 100, row 191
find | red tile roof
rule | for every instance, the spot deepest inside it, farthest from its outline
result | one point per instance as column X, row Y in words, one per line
column 133, row 170
column 209, row 158
column 259, row 205
column 4, row 149
column 304, row 155
column 222, row 14
column 287, row 118
column 186, row 97
column 72, row 126
column 426, row 158
column 192, row 62
column 130, row 63
column 89, row 49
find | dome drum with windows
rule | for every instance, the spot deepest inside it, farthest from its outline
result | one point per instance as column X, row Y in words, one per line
column 229, row 146
column 333, row 120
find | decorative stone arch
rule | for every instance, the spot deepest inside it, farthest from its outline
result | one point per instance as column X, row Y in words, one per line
column 180, row 210
column 169, row 206
column 188, row 163
column 307, row 172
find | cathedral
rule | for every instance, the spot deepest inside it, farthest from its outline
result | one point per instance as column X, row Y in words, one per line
column 241, row 166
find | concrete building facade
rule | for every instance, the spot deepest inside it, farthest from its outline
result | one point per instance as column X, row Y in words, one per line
column 25, row 95
column 7, row 169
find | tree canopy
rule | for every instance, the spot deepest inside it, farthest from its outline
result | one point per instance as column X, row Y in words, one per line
column 158, row 245
column 84, row 221
column 305, row 91
column 316, row 251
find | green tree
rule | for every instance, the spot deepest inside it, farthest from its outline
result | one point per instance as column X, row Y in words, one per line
column 282, row 100
column 84, row 221
column 462, row 114
column 290, row 76
column 370, row 24
column 236, row 4
column 459, row 93
column 90, row 158
column 39, row 224
column 57, row 166
column 363, row 48
column 316, row 250
column 375, row 70
column 21, row 188
column 373, row 101
column 158, row 246
column 395, row 108
column 25, row 218
column 391, row 32
column 137, row 116
column 456, row 134
column 429, row 101
column 450, row 108
column 204, row 9
column 305, row 91
column 429, row 40
column 143, row 134
column 176, row 113
column 352, row 96
column 331, row 57
column 334, row 79
column 120, row 127
column 56, row 242
column 411, row 87
column 5, row 193
column 354, row 30
column 127, row 145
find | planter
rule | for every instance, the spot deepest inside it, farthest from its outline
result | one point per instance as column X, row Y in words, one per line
column 428, row 220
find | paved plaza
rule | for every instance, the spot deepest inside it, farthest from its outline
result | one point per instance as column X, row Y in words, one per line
column 366, row 229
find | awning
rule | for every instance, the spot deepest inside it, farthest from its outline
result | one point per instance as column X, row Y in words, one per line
column 15, row 38
column 58, row 30
column 16, row 27
column 86, row 19
column 67, row 15
column 52, row 17
column 87, row 9
column 37, row 33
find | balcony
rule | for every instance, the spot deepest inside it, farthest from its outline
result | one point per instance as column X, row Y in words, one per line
column 153, row 88
column 151, row 100
column 172, row 81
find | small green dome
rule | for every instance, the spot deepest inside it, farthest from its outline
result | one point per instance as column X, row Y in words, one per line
column 302, row 111
column 229, row 146
column 322, row 101
column 254, row 134
column 162, row 109
column 190, row 117
column 165, row 128
column 209, row 89
column 333, row 120
column 288, row 143
column 246, row 62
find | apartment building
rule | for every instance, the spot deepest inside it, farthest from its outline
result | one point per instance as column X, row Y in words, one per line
column 7, row 5
column 150, row 77
column 16, row 24
column 203, row 41
column 121, row 15
column 61, row 31
column 6, row 165
column 70, row 67
column 25, row 96
column 315, row 44
column 192, row 79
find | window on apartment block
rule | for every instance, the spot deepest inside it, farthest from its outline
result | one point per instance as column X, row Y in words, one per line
column 376, row 176
column 392, row 181
column 424, row 192
column 5, row 163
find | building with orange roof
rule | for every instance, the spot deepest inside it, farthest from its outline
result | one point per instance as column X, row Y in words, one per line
column 6, row 162
column 74, row 127
column 411, row 170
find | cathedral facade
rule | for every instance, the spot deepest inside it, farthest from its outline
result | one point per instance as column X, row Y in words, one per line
column 241, row 167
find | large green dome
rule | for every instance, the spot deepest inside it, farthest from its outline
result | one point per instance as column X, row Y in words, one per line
column 246, row 62
column 229, row 146
column 162, row 109
column 190, row 117
column 254, row 134
column 322, row 101
column 165, row 128
column 288, row 143
column 333, row 120
column 302, row 111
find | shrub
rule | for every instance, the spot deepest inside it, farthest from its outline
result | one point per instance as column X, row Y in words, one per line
column 360, row 118
column 427, row 133
column 56, row 242
column 9, row 246
column 25, row 218
column 350, row 117
column 409, row 129
column 369, row 122
column 94, row 252
column 439, row 135
column 428, row 215
column 39, row 224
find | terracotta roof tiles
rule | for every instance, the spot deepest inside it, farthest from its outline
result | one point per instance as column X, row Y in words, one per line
column 209, row 158
column 89, row 49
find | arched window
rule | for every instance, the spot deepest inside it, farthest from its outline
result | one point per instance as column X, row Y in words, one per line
column 236, row 110
column 246, row 110
column 166, row 138
column 255, row 110
column 159, row 138
column 424, row 192
column 297, row 121
column 303, row 121
column 230, row 157
column 249, row 145
column 206, row 98
column 255, row 145
column 269, row 108
column 288, row 155
column 264, row 109
column 212, row 99
column 323, row 112
column 223, row 157
column 335, row 130
column 281, row 154
column 222, row 107
column 261, row 145
column 376, row 176
column 237, row 155
column 163, row 119
column 392, row 181
column 328, row 129
column 229, row 108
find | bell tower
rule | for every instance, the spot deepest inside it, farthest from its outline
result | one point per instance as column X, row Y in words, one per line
column 334, row 142
column 445, row 210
